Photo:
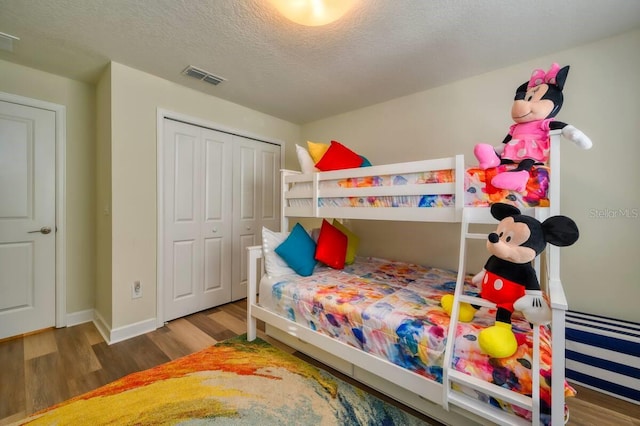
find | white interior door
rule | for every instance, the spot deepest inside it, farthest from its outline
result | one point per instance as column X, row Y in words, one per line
column 27, row 219
column 197, row 219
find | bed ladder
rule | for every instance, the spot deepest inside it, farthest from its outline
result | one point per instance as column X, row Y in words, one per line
column 451, row 396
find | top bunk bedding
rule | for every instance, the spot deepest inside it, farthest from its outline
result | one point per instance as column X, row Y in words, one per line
column 478, row 190
column 428, row 190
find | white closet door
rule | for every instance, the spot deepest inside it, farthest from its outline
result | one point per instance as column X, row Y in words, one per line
column 256, row 202
column 197, row 219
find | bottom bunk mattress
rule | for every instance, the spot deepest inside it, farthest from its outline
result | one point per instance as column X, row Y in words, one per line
column 392, row 310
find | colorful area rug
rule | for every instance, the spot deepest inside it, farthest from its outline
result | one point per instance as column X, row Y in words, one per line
column 234, row 383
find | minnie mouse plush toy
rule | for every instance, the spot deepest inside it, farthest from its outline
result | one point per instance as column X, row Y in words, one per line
column 508, row 278
column 536, row 103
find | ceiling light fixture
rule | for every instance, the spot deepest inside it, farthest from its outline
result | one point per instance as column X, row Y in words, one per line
column 313, row 13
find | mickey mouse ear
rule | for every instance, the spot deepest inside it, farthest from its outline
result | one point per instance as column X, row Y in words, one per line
column 502, row 210
column 560, row 231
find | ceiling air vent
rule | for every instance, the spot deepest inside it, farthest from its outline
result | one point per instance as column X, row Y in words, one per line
column 6, row 41
column 205, row 76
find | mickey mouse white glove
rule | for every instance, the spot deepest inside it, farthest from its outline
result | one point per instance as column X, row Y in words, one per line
column 477, row 278
column 534, row 308
column 576, row 136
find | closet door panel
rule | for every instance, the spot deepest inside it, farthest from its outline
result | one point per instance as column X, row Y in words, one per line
column 246, row 207
column 197, row 219
column 217, row 222
column 215, row 179
column 257, row 185
column 181, row 229
column 214, row 276
column 184, row 178
column 245, row 241
column 182, row 201
column 246, row 171
column 184, row 270
column 270, row 186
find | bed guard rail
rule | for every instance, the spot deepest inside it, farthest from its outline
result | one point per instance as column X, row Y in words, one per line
column 301, row 193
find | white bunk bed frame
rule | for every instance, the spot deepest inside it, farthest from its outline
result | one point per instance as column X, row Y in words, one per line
column 436, row 400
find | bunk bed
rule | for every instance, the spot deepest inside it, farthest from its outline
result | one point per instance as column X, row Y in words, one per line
column 440, row 190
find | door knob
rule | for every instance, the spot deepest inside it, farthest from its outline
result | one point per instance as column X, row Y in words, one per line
column 44, row 230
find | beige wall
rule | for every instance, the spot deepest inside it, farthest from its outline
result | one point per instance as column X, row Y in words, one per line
column 103, row 305
column 79, row 100
column 135, row 98
column 602, row 98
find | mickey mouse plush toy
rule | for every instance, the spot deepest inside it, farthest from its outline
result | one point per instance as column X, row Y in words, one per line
column 508, row 278
column 536, row 103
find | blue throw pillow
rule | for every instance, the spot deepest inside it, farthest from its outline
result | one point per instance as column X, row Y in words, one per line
column 365, row 162
column 298, row 250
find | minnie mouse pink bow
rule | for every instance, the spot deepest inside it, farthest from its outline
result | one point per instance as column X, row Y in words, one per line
column 539, row 76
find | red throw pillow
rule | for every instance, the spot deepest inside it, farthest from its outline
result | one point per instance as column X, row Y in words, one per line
column 338, row 157
column 332, row 246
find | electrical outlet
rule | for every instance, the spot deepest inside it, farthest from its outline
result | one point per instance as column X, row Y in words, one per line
column 136, row 290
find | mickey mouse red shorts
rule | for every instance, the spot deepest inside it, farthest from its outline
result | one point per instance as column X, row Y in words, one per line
column 501, row 291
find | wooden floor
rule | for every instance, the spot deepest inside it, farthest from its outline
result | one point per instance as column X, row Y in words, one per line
column 42, row 369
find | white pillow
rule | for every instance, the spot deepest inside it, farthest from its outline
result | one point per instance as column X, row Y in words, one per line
column 306, row 162
column 273, row 263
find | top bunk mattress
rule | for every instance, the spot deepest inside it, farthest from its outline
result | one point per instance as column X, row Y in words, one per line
column 478, row 190
column 392, row 310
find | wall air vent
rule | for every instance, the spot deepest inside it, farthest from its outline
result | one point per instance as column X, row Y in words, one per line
column 205, row 76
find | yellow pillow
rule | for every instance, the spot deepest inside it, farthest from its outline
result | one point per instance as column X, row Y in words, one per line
column 317, row 150
column 352, row 242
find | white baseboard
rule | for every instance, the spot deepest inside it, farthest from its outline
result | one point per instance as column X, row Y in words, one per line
column 102, row 326
column 79, row 317
column 119, row 334
column 132, row 330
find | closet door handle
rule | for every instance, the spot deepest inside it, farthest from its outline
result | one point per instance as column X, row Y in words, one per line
column 44, row 230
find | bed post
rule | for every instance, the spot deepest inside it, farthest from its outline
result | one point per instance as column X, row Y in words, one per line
column 558, row 366
column 554, row 179
column 254, row 253
column 284, row 222
column 556, row 293
column 459, row 187
column 559, row 307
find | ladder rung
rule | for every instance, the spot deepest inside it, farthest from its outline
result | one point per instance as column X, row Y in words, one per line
column 495, row 390
column 487, row 411
column 475, row 236
column 478, row 301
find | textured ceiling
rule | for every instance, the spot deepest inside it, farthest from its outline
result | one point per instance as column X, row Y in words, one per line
column 381, row 49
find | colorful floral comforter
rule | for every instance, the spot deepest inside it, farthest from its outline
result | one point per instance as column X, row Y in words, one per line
column 478, row 190
column 480, row 193
column 391, row 309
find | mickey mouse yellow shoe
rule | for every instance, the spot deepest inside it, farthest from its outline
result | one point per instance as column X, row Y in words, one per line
column 466, row 312
column 498, row 341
